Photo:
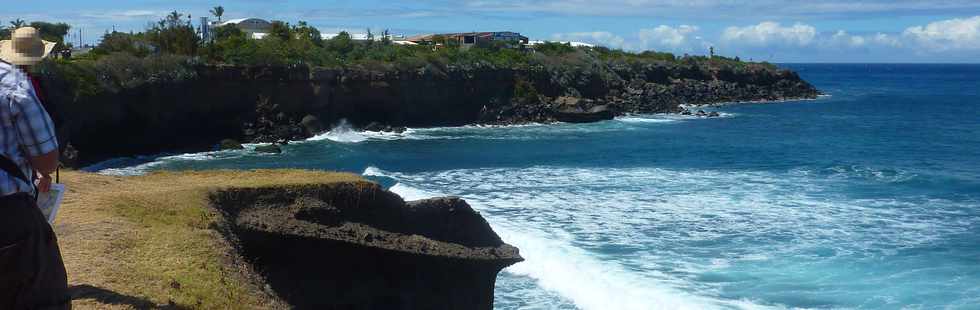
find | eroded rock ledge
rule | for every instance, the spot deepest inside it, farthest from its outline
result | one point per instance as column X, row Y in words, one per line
column 357, row 246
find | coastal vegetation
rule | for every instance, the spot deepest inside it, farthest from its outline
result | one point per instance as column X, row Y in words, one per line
column 172, row 44
column 52, row 32
column 168, row 88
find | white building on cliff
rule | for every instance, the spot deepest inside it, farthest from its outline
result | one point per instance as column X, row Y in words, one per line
column 257, row 28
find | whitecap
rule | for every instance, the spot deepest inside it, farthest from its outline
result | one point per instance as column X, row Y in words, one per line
column 666, row 221
column 139, row 165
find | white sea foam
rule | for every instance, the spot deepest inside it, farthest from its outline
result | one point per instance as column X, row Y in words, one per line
column 667, row 118
column 641, row 119
column 129, row 166
column 551, row 258
column 573, row 273
column 668, row 227
column 342, row 132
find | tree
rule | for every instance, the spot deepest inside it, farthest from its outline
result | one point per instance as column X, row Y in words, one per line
column 173, row 35
column 280, row 30
column 17, row 23
column 227, row 31
column 218, row 11
column 303, row 31
column 341, row 44
column 385, row 37
column 54, row 32
column 120, row 42
column 4, row 32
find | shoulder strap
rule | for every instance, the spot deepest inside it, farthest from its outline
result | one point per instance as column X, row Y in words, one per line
column 11, row 169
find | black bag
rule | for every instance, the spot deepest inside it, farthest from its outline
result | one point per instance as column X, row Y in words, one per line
column 11, row 169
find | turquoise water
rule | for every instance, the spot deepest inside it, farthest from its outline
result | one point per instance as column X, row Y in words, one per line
column 868, row 198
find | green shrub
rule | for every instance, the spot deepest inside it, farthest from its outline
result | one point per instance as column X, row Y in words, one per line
column 554, row 48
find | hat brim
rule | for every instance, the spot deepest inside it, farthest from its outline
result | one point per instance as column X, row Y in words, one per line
column 8, row 54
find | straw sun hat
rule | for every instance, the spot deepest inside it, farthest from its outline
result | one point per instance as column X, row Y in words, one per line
column 25, row 47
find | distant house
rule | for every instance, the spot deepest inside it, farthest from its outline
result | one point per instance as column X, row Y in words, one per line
column 256, row 28
column 468, row 39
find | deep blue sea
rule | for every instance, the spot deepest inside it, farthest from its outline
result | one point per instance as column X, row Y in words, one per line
column 867, row 198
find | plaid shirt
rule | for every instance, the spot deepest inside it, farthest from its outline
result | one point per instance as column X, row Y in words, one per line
column 26, row 129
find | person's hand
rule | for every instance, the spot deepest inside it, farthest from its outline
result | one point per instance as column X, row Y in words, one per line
column 44, row 183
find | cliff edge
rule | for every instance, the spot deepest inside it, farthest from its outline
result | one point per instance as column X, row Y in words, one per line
column 191, row 107
column 357, row 246
column 271, row 239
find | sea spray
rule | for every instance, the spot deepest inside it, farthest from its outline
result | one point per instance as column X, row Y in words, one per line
column 557, row 265
column 343, row 132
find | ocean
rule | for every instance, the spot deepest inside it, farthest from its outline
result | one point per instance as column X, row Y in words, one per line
column 866, row 198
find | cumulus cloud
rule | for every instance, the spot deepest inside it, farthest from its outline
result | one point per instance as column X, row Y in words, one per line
column 682, row 38
column 886, row 40
column 724, row 9
column 950, row 34
column 667, row 36
column 603, row 38
column 770, row 33
column 842, row 38
column 123, row 15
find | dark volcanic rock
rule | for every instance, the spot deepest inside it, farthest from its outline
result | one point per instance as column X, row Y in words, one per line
column 357, row 246
column 269, row 103
column 312, row 125
column 230, row 144
column 269, row 149
column 578, row 115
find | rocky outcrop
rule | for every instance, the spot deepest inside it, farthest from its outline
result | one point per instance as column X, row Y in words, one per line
column 230, row 144
column 357, row 246
column 269, row 104
column 269, row 149
column 579, row 115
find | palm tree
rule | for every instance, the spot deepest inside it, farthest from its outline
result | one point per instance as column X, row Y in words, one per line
column 17, row 23
column 217, row 12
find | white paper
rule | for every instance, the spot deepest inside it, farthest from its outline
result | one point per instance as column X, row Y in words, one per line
column 50, row 202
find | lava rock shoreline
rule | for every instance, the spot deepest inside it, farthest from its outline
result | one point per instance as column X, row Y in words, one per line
column 276, row 104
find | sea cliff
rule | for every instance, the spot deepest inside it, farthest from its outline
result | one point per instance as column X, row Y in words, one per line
column 272, row 239
column 194, row 106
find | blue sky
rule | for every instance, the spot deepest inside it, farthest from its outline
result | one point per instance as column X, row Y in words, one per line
column 779, row 31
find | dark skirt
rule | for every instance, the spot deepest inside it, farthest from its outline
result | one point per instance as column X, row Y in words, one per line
column 32, row 274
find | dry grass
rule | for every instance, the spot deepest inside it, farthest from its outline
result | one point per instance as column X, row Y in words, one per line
column 148, row 242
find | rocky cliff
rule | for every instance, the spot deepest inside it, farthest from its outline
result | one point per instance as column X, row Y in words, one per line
column 357, row 246
column 210, row 103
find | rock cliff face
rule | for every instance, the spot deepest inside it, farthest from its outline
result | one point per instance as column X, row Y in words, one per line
column 268, row 104
column 357, row 246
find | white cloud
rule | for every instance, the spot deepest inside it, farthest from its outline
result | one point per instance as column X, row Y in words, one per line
column 950, row 34
column 770, row 33
column 679, row 39
column 603, row 38
column 886, row 40
column 123, row 15
column 842, row 39
column 667, row 36
column 724, row 9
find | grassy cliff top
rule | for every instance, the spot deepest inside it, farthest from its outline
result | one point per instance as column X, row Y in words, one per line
column 147, row 241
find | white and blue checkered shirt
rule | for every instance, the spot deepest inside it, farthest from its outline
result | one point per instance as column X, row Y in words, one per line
column 26, row 129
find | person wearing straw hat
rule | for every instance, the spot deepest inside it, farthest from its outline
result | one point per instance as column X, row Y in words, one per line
column 25, row 47
column 32, row 273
